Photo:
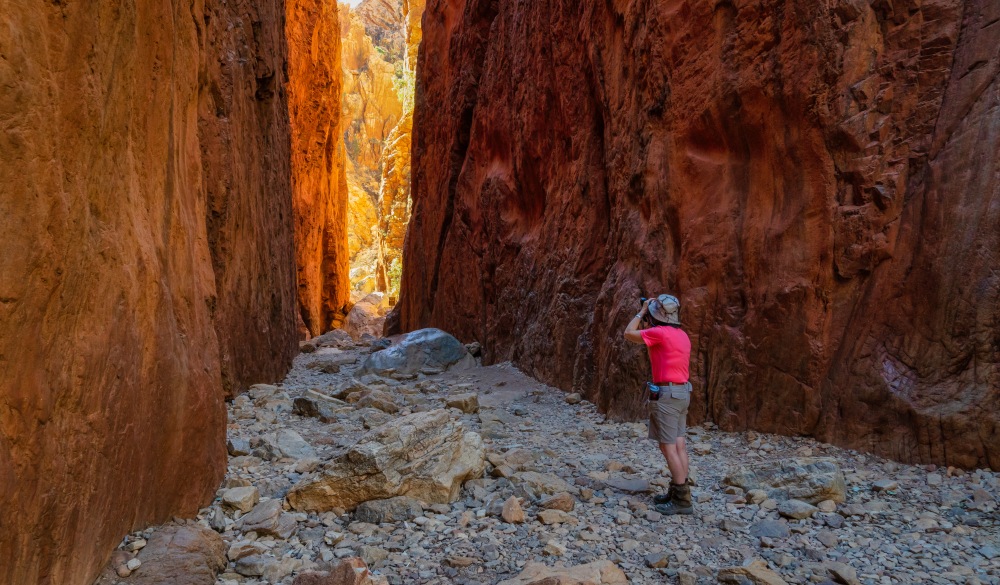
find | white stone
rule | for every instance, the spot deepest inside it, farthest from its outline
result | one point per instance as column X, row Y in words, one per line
column 241, row 498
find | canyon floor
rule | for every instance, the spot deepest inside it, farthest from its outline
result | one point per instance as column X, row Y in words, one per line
column 900, row 523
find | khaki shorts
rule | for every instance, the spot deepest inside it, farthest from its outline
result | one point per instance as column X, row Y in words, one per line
column 668, row 415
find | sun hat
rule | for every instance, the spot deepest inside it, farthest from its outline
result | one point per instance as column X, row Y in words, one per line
column 666, row 309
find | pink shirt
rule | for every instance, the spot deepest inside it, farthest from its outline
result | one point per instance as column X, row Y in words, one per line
column 669, row 353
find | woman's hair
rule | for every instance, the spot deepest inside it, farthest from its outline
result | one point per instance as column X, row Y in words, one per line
column 657, row 323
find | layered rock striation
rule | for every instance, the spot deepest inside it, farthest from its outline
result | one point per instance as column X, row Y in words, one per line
column 816, row 181
column 147, row 264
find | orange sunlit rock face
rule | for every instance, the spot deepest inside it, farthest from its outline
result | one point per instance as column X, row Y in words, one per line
column 394, row 206
column 372, row 106
column 319, row 183
column 383, row 23
column 394, row 189
column 375, row 98
column 816, row 181
column 147, row 264
column 362, row 225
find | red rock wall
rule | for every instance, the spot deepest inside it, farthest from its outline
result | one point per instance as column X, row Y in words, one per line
column 244, row 134
column 145, row 221
column 319, row 183
column 817, row 181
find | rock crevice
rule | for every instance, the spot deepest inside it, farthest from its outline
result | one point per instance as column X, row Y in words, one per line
column 810, row 179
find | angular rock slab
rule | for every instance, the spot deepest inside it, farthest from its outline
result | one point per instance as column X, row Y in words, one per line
column 288, row 443
column 629, row 486
column 267, row 518
column 350, row 571
column 424, row 348
column 396, row 509
column 542, row 483
column 467, row 403
column 811, row 480
column 755, row 572
column 596, row 573
column 426, row 455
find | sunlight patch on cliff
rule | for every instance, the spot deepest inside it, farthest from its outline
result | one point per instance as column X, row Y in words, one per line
column 379, row 40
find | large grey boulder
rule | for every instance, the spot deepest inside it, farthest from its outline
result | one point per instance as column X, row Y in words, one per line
column 424, row 349
column 426, row 455
column 811, row 480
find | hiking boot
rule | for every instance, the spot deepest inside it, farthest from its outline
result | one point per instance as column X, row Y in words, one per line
column 680, row 502
column 665, row 498
column 660, row 499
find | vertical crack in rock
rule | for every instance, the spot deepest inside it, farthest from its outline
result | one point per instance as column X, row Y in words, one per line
column 816, row 182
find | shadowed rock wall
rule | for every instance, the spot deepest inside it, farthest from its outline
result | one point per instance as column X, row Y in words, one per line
column 817, row 181
column 319, row 183
column 147, row 263
column 244, row 134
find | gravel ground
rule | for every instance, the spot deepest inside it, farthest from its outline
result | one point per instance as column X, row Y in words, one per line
column 900, row 523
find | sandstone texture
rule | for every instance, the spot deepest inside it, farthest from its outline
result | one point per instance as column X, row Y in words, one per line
column 425, row 455
column 394, row 189
column 362, row 222
column 319, row 182
column 372, row 62
column 817, row 182
column 383, row 22
column 813, row 480
column 380, row 40
column 243, row 130
column 146, row 267
column 394, row 205
column 596, row 573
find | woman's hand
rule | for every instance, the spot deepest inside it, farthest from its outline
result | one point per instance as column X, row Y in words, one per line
column 632, row 332
column 645, row 307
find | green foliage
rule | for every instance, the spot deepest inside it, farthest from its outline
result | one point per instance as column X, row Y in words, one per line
column 405, row 85
column 394, row 274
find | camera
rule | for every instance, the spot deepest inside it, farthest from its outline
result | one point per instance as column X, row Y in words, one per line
column 642, row 301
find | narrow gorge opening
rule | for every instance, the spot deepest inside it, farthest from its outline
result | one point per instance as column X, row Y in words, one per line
column 351, row 80
column 199, row 196
column 379, row 40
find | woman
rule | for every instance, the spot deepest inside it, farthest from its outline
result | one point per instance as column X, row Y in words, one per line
column 670, row 393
